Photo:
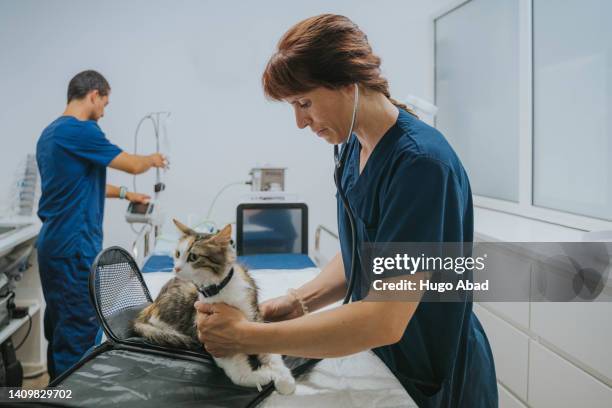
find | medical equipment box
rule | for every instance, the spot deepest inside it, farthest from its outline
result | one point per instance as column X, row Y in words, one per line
column 140, row 213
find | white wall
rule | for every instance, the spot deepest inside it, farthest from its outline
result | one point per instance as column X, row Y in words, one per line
column 203, row 61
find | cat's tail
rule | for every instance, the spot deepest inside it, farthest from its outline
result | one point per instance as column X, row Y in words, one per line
column 167, row 336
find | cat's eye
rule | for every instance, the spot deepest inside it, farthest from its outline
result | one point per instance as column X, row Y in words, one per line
column 192, row 258
column 177, row 254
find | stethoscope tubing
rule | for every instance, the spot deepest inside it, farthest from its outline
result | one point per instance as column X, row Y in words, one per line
column 340, row 160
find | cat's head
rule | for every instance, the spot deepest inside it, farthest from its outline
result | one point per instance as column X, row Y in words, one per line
column 203, row 258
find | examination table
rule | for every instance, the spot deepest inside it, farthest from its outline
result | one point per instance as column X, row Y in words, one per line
column 123, row 370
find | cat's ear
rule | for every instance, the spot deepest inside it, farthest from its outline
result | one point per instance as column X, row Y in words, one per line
column 225, row 235
column 183, row 228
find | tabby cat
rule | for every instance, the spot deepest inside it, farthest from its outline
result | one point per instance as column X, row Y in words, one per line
column 206, row 270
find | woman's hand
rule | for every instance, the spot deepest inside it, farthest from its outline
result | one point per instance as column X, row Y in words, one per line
column 221, row 328
column 281, row 308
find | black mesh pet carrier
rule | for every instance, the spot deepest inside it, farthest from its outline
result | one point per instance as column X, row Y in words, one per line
column 126, row 371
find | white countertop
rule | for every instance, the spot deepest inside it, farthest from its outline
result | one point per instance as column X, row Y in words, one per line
column 492, row 225
column 497, row 226
column 30, row 230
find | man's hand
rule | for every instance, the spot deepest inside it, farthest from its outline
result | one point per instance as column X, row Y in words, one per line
column 159, row 160
column 137, row 198
column 221, row 328
column 135, row 164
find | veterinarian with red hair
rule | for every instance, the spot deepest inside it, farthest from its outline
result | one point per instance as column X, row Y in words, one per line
column 404, row 183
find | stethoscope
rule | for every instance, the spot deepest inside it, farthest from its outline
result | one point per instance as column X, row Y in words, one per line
column 340, row 161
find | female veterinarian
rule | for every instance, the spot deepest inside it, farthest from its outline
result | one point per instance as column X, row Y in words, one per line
column 403, row 183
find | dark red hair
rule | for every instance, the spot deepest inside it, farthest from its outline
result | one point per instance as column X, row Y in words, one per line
column 328, row 50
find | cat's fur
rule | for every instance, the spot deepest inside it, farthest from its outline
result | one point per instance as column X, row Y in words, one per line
column 202, row 260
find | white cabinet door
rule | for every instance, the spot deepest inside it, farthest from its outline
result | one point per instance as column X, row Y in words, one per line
column 507, row 400
column 510, row 351
column 513, row 260
column 556, row 383
column 515, row 312
column 583, row 330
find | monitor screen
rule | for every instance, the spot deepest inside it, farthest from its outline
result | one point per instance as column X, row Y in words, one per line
column 271, row 229
column 140, row 208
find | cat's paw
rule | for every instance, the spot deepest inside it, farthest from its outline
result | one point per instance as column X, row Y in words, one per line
column 257, row 378
column 285, row 385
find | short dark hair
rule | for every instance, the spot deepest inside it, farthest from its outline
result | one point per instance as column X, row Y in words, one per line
column 85, row 82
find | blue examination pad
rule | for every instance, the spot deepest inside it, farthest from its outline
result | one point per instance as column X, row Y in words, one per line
column 276, row 261
column 164, row 263
column 158, row 263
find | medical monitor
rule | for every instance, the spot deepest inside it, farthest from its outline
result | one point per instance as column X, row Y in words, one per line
column 272, row 228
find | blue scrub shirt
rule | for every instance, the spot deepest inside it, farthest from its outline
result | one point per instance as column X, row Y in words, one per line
column 414, row 189
column 72, row 156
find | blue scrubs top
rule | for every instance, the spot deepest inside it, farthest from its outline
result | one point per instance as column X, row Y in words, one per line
column 72, row 156
column 414, row 189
